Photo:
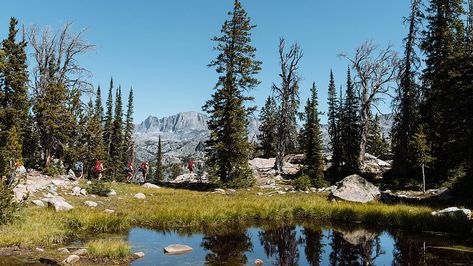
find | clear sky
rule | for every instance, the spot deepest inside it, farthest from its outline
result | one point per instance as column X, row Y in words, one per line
column 162, row 48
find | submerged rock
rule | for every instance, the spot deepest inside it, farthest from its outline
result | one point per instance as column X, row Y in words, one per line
column 177, row 249
column 258, row 262
column 356, row 189
column 139, row 254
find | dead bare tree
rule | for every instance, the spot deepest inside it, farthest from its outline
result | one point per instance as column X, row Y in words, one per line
column 376, row 72
column 64, row 47
column 287, row 93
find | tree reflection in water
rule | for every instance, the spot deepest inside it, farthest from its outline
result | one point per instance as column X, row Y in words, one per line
column 313, row 245
column 357, row 247
column 227, row 248
column 281, row 242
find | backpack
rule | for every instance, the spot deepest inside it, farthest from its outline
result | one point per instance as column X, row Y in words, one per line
column 98, row 166
column 78, row 166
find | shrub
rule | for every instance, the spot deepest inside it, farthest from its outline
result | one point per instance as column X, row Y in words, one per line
column 109, row 248
column 53, row 170
column 303, row 182
column 8, row 206
column 99, row 188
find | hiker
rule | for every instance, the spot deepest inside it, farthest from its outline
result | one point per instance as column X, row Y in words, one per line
column 129, row 172
column 79, row 169
column 99, row 169
column 191, row 166
column 144, row 170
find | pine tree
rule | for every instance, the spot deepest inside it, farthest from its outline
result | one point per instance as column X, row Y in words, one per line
column 228, row 148
column 129, row 127
column 314, row 161
column 269, row 121
column 407, row 115
column 421, row 151
column 108, row 122
column 377, row 144
column 333, row 123
column 350, row 130
column 445, row 108
column 117, row 139
column 13, row 89
column 159, row 172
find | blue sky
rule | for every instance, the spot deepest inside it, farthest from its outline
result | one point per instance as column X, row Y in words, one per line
column 162, row 48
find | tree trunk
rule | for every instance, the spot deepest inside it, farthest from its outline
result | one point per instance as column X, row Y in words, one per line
column 423, row 178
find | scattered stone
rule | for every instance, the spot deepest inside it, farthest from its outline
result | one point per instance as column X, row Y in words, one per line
column 90, row 203
column 139, row 254
column 93, row 196
column 139, row 196
column 63, row 250
column 40, row 249
column 72, row 259
column 260, row 193
column 258, row 262
column 38, row 203
column 89, row 182
column 177, row 249
column 282, row 192
column 83, row 192
column 80, row 252
column 454, row 211
column 76, row 191
column 356, row 189
column 111, row 193
column 109, row 211
column 231, row 190
column 149, row 185
column 58, row 203
column 219, row 191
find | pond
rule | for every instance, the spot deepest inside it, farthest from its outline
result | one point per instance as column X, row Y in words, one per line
column 299, row 245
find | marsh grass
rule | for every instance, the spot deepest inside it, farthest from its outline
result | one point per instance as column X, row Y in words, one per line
column 114, row 249
column 177, row 209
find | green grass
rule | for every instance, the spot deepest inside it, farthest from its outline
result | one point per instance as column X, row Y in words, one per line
column 110, row 248
column 190, row 210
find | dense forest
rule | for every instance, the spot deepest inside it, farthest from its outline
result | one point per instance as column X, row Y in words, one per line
column 50, row 114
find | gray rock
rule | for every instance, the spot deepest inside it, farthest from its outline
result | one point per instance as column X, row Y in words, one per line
column 139, row 196
column 40, row 249
column 63, row 250
column 177, row 249
column 83, row 192
column 355, row 188
column 90, row 203
column 109, row 211
column 72, row 259
column 111, row 193
column 38, row 203
column 454, row 211
column 219, row 191
column 76, row 191
column 149, row 185
column 58, row 203
column 139, row 254
column 80, row 252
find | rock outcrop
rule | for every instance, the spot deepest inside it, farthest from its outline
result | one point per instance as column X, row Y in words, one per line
column 454, row 212
column 58, row 203
column 355, row 188
column 177, row 249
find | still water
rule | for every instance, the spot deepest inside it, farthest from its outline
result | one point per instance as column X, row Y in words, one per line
column 299, row 245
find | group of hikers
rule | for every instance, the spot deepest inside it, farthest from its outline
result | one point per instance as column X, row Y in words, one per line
column 129, row 170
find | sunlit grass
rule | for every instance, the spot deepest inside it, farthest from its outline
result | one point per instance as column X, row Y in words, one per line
column 108, row 248
column 177, row 208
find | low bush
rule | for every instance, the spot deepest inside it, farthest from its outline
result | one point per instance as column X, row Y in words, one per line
column 8, row 206
column 303, row 182
column 99, row 188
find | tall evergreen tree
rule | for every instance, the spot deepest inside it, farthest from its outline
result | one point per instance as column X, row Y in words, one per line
column 445, row 107
column 333, row 123
column 129, row 127
column 159, row 172
column 13, row 90
column 407, row 115
column 314, row 160
column 350, row 130
column 228, row 146
column 268, row 128
column 117, row 139
column 108, row 122
column 377, row 144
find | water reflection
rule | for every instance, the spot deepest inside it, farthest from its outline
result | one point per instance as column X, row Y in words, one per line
column 356, row 247
column 229, row 247
column 281, row 242
column 314, row 247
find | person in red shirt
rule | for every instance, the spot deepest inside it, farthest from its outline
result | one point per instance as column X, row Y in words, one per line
column 99, row 169
column 191, row 166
